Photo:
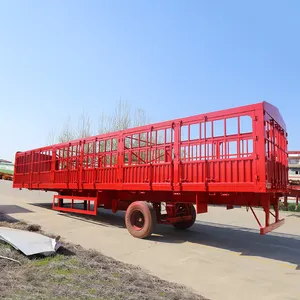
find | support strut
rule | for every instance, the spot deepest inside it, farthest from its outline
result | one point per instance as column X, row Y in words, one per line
column 268, row 227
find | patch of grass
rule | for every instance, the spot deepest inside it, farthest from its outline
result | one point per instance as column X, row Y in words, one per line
column 47, row 260
column 161, row 294
column 75, row 273
column 290, row 207
column 73, row 261
column 4, row 246
column 61, row 279
column 92, row 291
column 81, row 271
column 63, row 272
column 116, row 275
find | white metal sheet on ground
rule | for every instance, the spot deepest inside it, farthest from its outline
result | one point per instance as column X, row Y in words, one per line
column 29, row 243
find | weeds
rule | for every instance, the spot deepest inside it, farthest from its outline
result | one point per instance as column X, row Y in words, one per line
column 290, row 207
column 76, row 273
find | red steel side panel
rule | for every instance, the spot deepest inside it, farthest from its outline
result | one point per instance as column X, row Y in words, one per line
column 217, row 153
column 275, row 149
column 222, row 151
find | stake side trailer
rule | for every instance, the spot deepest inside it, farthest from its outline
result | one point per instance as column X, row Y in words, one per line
column 170, row 171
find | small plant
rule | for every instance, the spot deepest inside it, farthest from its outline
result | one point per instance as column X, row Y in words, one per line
column 291, row 206
column 282, row 207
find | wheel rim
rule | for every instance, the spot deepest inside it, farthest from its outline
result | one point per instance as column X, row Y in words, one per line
column 137, row 220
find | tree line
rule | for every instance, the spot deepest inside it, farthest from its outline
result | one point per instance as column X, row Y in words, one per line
column 123, row 117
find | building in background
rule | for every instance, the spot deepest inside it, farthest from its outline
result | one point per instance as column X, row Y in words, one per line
column 294, row 167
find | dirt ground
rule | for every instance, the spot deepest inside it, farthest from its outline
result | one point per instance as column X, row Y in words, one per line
column 220, row 257
column 75, row 273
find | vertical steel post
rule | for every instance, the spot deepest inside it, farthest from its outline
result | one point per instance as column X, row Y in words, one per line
column 276, row 207
column 267, row 209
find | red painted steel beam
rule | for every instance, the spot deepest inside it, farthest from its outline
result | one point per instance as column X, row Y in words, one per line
column 256, row 218
column 74, row 210
column 177, row 219
column 75, row 197
column 293, row 152
column 273, row 226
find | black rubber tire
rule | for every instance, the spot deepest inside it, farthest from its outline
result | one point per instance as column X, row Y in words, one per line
column 146, row 211
column 187, row 224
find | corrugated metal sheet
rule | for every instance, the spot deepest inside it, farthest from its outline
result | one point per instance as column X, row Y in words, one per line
column 29, row 243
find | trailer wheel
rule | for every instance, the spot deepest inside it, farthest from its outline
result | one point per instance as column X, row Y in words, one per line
column 140, row 219
column 187, row 224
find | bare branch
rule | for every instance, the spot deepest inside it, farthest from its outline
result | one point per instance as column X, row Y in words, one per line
column 67, row 134
column 122, row 118
column 11, row 259
column 140, row 118
column 51, row 138
column 104, row 123
column 84, row 126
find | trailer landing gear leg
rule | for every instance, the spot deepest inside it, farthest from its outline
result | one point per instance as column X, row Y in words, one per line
column 140, row 219
column 269, row 227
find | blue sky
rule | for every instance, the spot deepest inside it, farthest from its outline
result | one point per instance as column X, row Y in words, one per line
column 171, row 58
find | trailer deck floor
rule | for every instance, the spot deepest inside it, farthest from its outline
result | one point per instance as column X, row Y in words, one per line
column 221, row 257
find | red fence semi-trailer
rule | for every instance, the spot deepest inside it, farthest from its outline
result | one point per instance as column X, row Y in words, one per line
column 157, row 172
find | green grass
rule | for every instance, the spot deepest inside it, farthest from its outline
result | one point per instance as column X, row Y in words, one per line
column 47, row 260
column 291, row 207
column 76, row 273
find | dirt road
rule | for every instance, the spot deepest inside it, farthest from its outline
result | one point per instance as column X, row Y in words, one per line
column 222, row 256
